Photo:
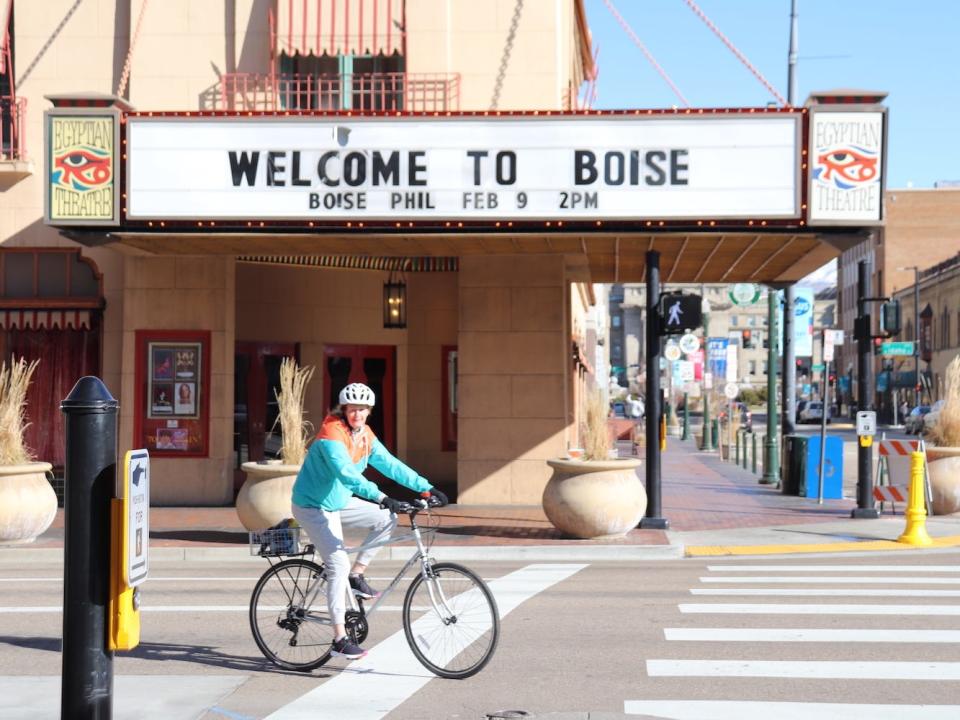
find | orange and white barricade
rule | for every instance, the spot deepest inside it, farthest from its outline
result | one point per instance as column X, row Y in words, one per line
column 895, row 460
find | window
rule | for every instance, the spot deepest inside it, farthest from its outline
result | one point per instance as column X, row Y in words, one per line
column 752, row 321
column 342, row 82
column 753, row 367
column 615, row 321
column 734, row 321
column 28, row 277
column 764, row 367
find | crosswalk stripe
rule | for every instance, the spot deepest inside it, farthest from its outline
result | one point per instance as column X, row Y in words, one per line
column 835, row 579
column 374, row 685
column 817, row 669
column 756, row 710
column 835, row 568
column 827, row 592
column 811, row 635
column 819, row 609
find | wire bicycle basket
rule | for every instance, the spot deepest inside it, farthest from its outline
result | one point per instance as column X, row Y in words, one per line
column 274, row 542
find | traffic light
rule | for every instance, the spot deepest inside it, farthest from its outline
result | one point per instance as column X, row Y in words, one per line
column 745, row 339
column 877, row 346
column 890, row 318
column 680, row 313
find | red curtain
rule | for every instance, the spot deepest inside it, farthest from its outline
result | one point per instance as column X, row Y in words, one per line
column 65, row 356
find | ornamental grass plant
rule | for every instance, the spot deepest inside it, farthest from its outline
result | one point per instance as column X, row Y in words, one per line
column 294, row 428
column 945, row 430
column 594, row 430
column 14, row 381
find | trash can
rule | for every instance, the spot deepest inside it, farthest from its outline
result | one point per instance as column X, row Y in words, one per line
column 832, row 468
column 794, row 464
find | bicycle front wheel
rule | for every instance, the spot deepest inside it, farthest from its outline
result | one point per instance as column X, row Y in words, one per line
column 289, row 617
column 451, row 621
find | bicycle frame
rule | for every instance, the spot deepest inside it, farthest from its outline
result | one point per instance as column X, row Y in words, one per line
column 420, row 555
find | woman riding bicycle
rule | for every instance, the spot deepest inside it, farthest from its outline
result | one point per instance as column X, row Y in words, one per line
column 331, row 492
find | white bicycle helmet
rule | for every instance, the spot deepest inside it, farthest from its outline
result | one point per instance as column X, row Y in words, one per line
column 357, row 394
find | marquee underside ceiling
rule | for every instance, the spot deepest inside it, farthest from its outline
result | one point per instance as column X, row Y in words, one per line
column 768, row 257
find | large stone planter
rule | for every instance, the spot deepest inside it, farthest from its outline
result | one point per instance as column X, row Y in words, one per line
column 595, row 498
column 944, row 467
column 264, row 497
column 28, row 503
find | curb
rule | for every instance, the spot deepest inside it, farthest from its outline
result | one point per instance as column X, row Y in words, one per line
column 481, row 553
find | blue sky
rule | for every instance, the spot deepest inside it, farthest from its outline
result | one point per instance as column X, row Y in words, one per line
column 904, row 48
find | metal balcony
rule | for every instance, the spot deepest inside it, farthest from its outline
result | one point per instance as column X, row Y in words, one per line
column 413, row 92
column 13, row 116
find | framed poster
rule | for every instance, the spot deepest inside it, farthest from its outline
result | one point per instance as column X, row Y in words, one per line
column 173, row 391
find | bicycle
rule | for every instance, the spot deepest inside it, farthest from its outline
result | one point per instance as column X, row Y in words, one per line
column 450, row 617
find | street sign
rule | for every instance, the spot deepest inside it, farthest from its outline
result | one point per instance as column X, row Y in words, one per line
column 137, row 479
column 896, row 349
column 828, row 352
column 745, row 293
column 866, row 423
column 689, row 343
column 672, row 352
column 837, row 336
column 731, row 373
column 818, row 367
column 731, row 390
column 708, row 381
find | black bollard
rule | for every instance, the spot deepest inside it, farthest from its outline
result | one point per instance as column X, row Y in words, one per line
column 90, row 481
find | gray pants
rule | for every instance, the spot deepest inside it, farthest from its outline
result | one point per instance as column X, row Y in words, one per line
column 325, row 529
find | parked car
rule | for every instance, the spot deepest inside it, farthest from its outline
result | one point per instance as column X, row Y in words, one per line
column 913, row 423
column 931, row 417
column 812, row 412
column 746, row 418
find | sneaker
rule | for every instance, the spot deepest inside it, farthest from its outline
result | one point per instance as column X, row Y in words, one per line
column 344, row 647
column 361, row 589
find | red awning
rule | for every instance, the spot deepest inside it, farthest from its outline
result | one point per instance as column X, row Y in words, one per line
column 44, row 319
column 339, row 27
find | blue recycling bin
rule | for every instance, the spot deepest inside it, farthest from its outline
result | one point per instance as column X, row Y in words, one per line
column 832, row 468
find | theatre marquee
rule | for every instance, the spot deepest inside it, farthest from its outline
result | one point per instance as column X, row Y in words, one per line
column 725, row 165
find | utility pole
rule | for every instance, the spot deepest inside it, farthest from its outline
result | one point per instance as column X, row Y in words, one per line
column 789, row 400
column 654, row 404
column 771, row 470
column 865, row 505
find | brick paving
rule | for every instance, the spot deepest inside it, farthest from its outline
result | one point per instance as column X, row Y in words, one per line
column 699, row 492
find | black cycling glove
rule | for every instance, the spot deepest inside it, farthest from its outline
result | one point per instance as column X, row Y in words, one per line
column 392, row 504
column 437, row 498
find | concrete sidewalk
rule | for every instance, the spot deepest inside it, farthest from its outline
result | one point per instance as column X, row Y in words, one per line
column 713, row 507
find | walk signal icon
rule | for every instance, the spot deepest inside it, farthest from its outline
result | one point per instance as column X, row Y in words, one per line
column 679, row 313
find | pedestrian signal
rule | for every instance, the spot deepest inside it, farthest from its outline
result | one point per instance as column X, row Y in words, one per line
column 679, row 313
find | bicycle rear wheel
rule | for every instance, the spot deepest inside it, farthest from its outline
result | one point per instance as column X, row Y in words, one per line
column 451, row 621
column 289, row 617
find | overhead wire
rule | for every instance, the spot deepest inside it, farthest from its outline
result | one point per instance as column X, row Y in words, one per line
column 733, row 48
column 643, row 48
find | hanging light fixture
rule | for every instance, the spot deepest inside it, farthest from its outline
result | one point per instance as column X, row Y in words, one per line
column 394, row 302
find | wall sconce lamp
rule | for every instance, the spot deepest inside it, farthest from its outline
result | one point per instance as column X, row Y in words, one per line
column 394, row 303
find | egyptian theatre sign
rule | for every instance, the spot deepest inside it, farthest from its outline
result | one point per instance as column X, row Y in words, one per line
column 623, row 166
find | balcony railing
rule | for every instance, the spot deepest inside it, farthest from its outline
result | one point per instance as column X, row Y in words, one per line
column 413, row 92
column 13, row 115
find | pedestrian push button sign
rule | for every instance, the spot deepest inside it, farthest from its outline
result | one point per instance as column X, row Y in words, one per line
column 679, row 313
column 137, row 481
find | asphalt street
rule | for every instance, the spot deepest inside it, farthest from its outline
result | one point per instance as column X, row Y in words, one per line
column 847, row 636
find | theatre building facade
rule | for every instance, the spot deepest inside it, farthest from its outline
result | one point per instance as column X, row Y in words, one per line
column 344, row 190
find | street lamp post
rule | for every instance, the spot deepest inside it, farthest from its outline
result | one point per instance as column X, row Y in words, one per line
column 916, row 331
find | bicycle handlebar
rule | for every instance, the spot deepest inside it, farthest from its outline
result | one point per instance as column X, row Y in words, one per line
column 418, row 505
